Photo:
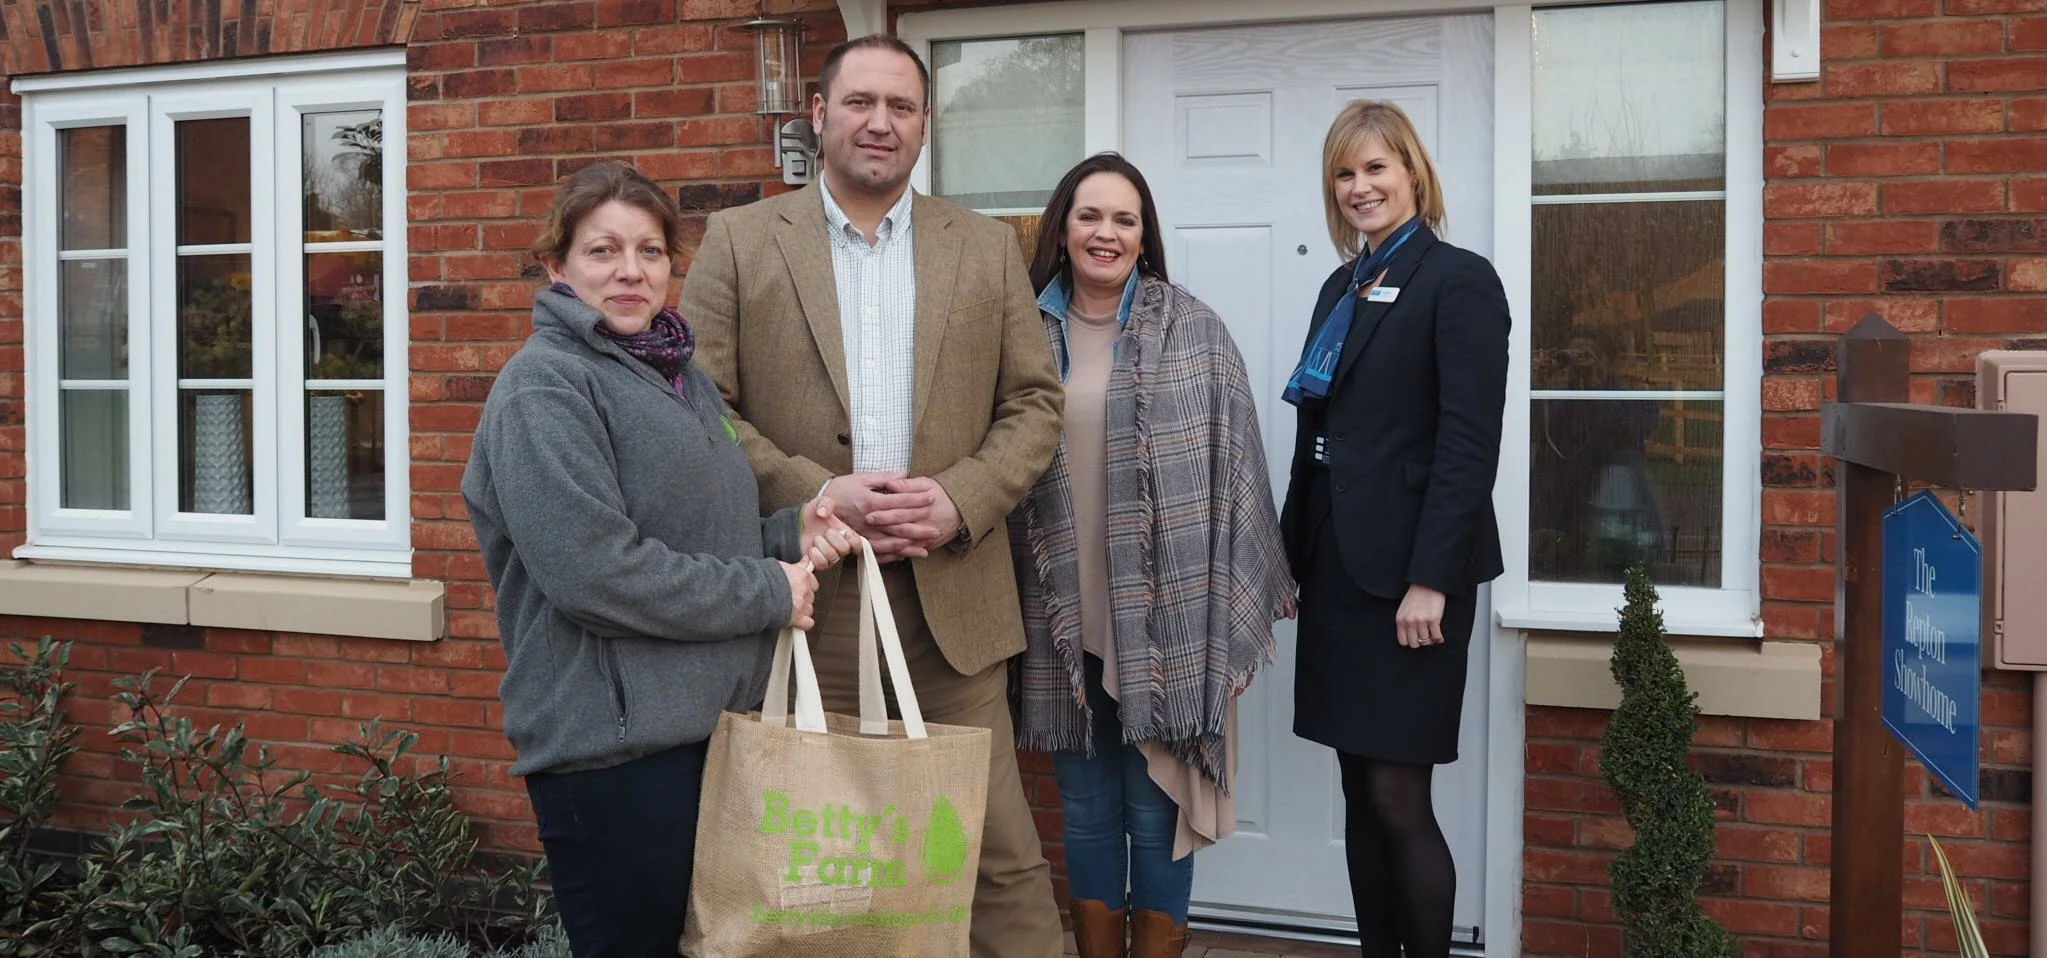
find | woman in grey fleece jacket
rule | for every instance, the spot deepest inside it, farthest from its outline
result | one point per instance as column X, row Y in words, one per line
column 638, row 588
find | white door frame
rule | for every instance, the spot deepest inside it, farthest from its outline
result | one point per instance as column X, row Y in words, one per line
column 1103, row 23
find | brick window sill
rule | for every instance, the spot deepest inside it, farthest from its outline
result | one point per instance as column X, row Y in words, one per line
column 408, row 611
column 1743, row 678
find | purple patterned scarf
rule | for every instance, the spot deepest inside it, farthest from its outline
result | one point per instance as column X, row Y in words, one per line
column 666, row 344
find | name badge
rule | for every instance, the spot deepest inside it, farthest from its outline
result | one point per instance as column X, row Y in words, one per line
column 1383, row 294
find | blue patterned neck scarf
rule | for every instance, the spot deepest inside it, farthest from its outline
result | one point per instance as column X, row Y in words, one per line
column 1316, row 373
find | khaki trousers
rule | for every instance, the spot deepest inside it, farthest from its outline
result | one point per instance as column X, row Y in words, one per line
column 1014, row 914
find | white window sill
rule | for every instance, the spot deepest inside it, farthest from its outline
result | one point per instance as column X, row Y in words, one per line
column 1705, row 622
column 1779, row 680
column 406, row 610
column 385, row 563
column 1594, row 607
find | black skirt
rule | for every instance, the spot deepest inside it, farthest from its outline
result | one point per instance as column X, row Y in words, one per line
column 1356, row 688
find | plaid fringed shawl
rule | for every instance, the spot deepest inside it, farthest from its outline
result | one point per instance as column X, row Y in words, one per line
column 1196, row 571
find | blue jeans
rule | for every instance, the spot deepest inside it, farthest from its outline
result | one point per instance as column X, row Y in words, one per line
column 1119, row 824
column 620, row 844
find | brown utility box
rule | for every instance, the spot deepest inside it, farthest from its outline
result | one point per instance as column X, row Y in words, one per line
column 2013, row 528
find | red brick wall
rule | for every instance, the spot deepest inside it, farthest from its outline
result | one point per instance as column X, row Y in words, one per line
column 505, row 100
column 1911, row 182
column 1870, row 207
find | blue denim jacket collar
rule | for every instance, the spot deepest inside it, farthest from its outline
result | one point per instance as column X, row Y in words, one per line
column 1056, row 299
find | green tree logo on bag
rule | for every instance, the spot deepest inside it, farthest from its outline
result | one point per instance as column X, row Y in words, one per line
column 945, row 843
column 835, row 845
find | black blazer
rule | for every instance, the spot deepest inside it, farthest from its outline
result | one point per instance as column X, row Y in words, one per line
column 1413, row 419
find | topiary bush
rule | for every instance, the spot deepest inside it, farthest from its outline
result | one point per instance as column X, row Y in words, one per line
column 1656, row 880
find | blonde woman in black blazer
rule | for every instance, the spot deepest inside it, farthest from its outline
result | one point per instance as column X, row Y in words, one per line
column 1389, row 517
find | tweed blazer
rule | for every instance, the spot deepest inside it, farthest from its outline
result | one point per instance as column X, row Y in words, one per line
column 986, row 407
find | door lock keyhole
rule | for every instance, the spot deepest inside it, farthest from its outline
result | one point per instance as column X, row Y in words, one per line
column 1301, row 250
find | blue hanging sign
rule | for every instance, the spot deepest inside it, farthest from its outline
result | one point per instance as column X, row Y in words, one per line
column 1933, row 650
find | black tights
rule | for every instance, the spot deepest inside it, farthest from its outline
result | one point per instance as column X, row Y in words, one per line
column 1402, row 879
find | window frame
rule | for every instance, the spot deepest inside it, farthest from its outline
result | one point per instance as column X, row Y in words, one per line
column 274, row 94
column 1732, row 608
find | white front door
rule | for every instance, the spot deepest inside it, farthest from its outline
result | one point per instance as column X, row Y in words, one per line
column 1227, row 125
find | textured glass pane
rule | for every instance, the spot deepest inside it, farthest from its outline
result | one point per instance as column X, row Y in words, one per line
column 344, row 166
column 1008, row 122
column 1630, row 98
column 1629, row 296
column 1614, row 482
column 94, row 460
column 213, row 181
column 215, row 452
column 344, row 316
column 345, row 455
column 92, row 298
column 92, row 203
column 213, row 317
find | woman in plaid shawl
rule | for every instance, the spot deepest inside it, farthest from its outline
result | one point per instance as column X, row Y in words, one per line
column 1149, row 561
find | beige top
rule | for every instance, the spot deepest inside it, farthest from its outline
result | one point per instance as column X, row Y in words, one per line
column 1207, row 813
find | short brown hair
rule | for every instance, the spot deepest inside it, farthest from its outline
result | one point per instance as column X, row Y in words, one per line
column 592, row 187
column 872, row 41
column 1360, row 120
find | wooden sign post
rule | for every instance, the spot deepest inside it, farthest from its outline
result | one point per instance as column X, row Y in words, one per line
column 1882, row 441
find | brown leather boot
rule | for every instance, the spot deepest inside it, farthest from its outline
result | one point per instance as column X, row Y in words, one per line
column 1154, row 934
column 1098, row 931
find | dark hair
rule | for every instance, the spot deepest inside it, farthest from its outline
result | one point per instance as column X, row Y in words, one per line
column 872, row 41
column 1049, row 261
column 592, row 187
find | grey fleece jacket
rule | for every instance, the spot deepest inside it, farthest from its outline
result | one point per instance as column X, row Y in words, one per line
column 638, row 592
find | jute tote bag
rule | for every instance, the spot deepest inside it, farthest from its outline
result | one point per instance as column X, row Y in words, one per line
column 838, row 837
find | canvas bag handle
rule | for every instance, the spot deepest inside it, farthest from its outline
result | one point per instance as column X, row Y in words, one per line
column 877, row 628
column 793, row 644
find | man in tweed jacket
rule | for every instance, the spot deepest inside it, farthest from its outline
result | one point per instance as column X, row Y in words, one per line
column 887, row 347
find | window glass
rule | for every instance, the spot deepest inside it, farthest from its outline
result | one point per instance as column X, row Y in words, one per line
column 1628, row 255
column 344, row 164
column 93, row 469
column 1009, row 117
column 1630, row 98
column 92, row 200
column 213, row 181
column 345, row 454
column 1620, row 481
column 1629, row 295
column 215, row 446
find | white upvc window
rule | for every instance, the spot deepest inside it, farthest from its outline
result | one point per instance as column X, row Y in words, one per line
column 1632, row 134
column 215, row 320
column 1627, row 229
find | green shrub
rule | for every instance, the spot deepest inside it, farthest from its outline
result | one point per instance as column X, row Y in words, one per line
column 35, row 740
column 393, row 942
column 1656, row 881
column 228, row 856
column 548, row 941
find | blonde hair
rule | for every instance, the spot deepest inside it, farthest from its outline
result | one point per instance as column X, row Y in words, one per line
column 1362, row 120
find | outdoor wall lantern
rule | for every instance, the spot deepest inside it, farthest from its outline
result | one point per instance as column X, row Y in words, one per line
column 778, row 47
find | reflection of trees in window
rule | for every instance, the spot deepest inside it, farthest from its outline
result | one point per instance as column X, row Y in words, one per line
column 1010, row 119
column 1043, row 70
column 345, row 195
